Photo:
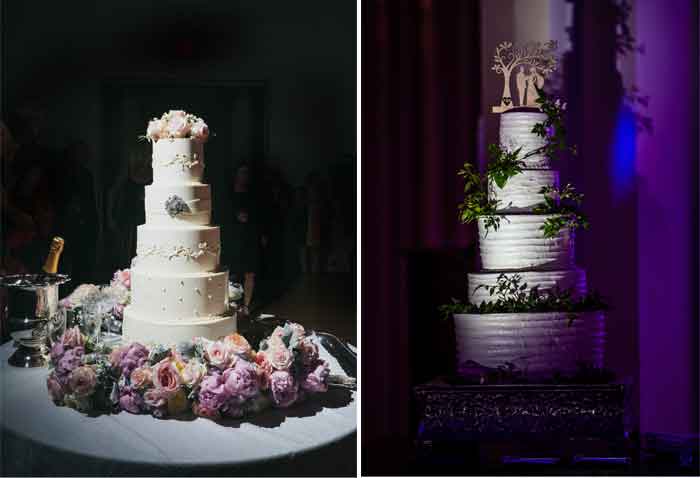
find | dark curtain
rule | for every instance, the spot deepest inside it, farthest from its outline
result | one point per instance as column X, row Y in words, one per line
column 420, row 107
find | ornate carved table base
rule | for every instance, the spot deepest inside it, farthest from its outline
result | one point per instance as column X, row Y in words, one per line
column 521, row 423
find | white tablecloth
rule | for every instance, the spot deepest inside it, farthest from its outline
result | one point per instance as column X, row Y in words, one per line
column 124, row 442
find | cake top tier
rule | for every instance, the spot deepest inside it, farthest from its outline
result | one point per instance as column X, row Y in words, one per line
column 177, row 124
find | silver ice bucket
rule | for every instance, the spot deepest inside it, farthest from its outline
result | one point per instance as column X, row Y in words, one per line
column 30, row 314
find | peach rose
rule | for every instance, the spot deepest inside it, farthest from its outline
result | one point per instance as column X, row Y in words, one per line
column 237, row 344
column 141, row 377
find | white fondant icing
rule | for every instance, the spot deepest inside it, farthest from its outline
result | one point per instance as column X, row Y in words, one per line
column 522, row 191
column 539, row 343
column 142, row 328
column 574, row 279
column 519, row 244
column 177, row 249
column 177, row 161
column 196, row 196
column 516, row 132
column 150, row 293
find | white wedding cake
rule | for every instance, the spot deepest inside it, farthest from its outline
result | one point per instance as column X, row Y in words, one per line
column 178, row 290
column 536, row 342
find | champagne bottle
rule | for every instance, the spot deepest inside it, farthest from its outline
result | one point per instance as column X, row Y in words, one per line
column 55, row 250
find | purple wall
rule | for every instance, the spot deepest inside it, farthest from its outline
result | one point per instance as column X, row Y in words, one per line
column 667, row 217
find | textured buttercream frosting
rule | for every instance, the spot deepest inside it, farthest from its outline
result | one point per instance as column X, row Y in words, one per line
column 519, row 243
column 523, row 191
column 537, row 343
column 178, row 290
column 516, row 132
column 546, row 281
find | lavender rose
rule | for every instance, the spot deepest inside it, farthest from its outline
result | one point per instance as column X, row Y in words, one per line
column 316, row 379
column 55, row 388
column 71, row 359
column 82, row 381
column 241, row 381
column 134, row 356
column 212, row 392
column 284, row 389
column 57, row 350
column 130, row 400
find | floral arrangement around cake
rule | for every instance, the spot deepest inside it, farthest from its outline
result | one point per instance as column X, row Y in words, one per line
column 177, row 124
column 212, row 379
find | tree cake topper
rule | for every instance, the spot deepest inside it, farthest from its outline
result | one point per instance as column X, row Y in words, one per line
column 533, row 62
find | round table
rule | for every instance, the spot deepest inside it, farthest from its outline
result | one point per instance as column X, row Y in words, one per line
column 39, row 436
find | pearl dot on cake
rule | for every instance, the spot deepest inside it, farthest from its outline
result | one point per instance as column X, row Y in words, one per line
column 196, row 289
column 180, row 299
column 209, row 296
column 182, row 283
column 163, row 290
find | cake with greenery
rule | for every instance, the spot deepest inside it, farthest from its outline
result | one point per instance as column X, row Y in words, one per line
column 529, row 307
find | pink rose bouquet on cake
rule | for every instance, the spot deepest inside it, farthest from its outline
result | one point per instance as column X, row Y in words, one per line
column 177, row 124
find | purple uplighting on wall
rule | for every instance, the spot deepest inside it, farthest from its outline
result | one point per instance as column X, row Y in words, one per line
column 667, row 176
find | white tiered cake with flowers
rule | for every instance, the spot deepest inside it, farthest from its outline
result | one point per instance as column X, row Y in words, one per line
column 178, row 290
column 538, row 343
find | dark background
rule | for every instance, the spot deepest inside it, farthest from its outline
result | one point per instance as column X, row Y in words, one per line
column 275, row 82
column 426, row 110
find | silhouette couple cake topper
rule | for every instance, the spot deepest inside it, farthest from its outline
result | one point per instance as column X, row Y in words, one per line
column 532, row 61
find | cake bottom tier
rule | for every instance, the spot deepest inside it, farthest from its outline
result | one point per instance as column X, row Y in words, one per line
column 538, row 344
column 138, row 327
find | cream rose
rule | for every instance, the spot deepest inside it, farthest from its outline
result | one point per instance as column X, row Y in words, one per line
column 219, row 355
column 193, row 373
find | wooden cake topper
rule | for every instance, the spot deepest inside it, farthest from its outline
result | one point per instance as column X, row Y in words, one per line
column 533, row 61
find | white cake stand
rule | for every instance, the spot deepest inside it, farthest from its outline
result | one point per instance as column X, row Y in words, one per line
column 32, row 427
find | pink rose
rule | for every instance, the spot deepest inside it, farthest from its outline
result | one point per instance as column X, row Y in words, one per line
column 200, row 131
column 123, row 277
column 279, row 356
column 155, row 129
column 178, row 126
column 55, row 388
column 72, row 338
column 141, row 377
column 219, row 355
column 154, row 398
column 237, row 344
column 202, row 411
column 166, row 377
column 82, row 381
column 264, row 370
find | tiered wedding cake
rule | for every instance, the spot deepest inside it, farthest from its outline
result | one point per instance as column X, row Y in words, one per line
column 536, row 342
column 178, row 289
